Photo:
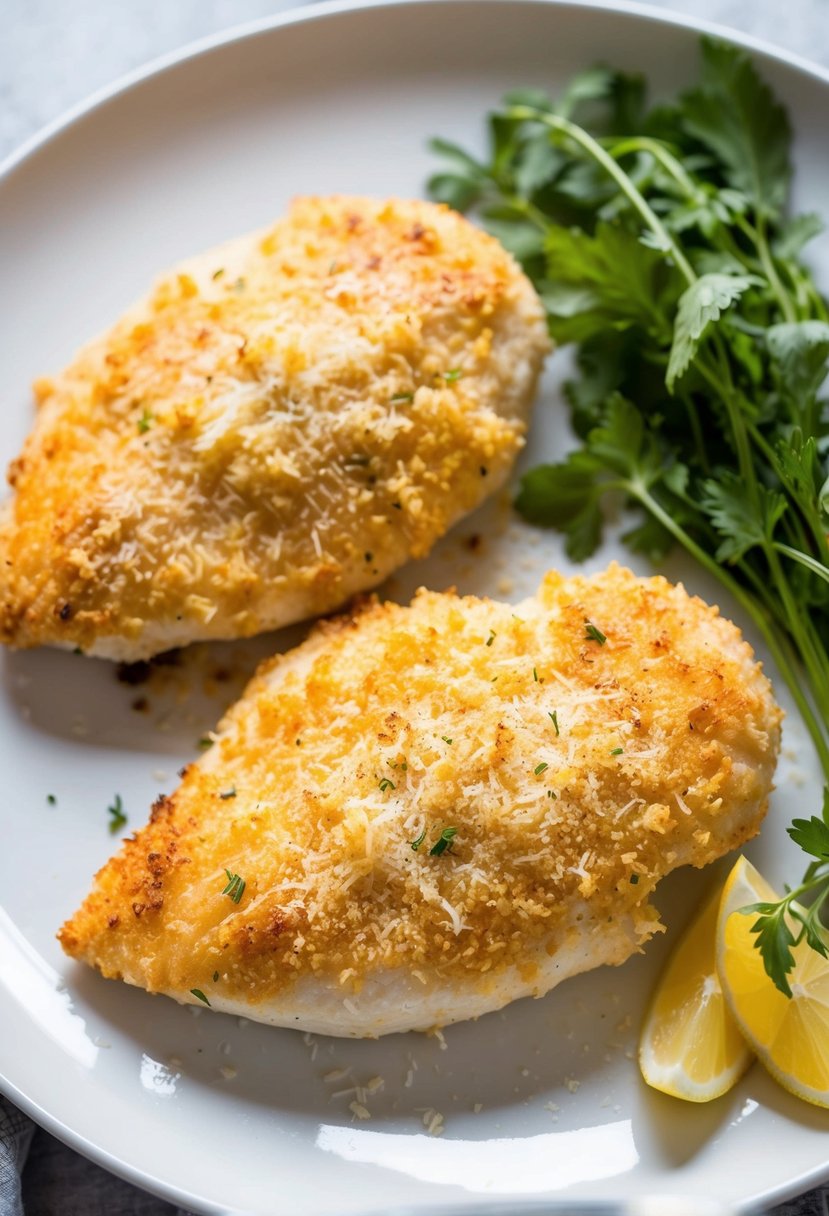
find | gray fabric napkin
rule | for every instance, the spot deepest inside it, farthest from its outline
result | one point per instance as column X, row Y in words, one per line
column 40, row 1176
column 16, row 1133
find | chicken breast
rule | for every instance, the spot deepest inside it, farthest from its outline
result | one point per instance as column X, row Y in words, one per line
column 424, row 812
column 283, row 422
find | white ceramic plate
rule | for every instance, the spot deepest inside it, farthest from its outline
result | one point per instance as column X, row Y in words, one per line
column 541, row 1100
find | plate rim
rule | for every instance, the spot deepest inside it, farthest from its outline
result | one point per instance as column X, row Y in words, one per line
column 306, row 14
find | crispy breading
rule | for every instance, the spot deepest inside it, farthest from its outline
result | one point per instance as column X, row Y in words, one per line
column 575, row 773
column 283, row 422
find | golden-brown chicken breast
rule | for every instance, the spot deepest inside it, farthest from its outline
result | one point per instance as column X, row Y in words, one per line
column 424, row 812
column 282, row 423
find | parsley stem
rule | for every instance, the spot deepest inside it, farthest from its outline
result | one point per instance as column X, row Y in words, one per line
column 665, row 158
column 802, row 633
column 623, row 181
column 804, row 559
column 805, row 506
column 810, row 882
column 725, row 392
column 533, row 214
column 759, row 239
column 696, row 430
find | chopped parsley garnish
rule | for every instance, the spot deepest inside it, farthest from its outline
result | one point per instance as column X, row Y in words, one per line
column 215, row 976
column 399, row 398
column 535, row 674
column 199, row 995
column 234, row 887
column 634, row 878
column 452, row 375
column 145, row 422
column 617, row 751
column 51, row 799
column 554, row 719
column 385, row 784
column 446, row 739
column 552, row 794
column 418, row 841
column 443, row 842
column 491, row 638
column 231, row 793
column 541, row 768
column 117, row 818
column 594, row 634
column 205, row 742
column 217, row 274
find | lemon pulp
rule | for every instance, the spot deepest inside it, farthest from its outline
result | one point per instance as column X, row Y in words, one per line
column 690, row 1046
column 789, row 1035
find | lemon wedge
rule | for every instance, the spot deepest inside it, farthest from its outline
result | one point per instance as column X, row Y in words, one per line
column 690, row 1046
column 789, row 1036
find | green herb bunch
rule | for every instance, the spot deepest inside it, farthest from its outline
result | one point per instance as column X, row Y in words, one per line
column 660, row 243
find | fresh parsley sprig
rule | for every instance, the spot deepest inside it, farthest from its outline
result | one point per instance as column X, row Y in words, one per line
column 660, row 244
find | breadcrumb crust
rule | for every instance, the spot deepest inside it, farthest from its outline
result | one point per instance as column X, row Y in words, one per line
column 576, row 774
column 282, row 422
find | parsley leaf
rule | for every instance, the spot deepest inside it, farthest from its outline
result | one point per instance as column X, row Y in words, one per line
column 812, row 835
column 234, row 887
column 443, row 842
column 774, row 941
column 703, row 302
column 796, row 232
column 117, row 817
column 735, row 115
column 593, row 633
column 799, row 352
column 605, row 279
column 567, row 496
column 741, row 521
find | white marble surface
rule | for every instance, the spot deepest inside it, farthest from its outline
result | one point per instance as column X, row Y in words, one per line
column 53, row 53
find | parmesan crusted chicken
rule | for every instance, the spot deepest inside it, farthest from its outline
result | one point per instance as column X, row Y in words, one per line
column 283, row 422
column 424, row 812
